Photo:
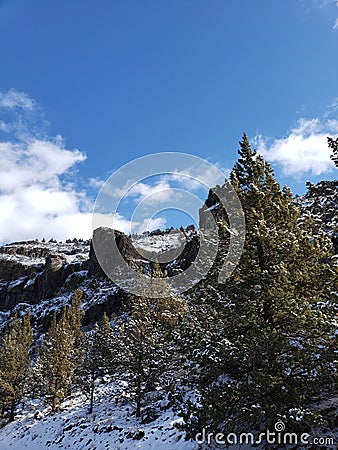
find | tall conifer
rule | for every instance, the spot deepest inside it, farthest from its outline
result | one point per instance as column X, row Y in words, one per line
column 15, row 364
column 55, row 366
column 270, row 352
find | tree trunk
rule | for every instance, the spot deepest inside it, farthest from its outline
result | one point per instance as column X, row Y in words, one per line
column 12, row 411
column 91, row 405
column 138, row 407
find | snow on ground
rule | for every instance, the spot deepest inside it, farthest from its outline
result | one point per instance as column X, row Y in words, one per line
column 112, row 427
column 161, row 242
column 34, row 253
column 22, row 259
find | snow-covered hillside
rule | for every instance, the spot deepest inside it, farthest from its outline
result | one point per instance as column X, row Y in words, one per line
column 112, row 426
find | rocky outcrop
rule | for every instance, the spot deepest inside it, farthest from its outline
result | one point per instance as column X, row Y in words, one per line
column 33, row 271
column 43, row 276
column 103, row 239
column 175, row 260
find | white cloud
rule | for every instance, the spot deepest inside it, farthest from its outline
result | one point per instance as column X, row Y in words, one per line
column 192, row 179
column 305, row 149
column 35, row 163
column 96, row 182
column 15, row 99
column 34, row 202
column 4, row 126
column 35, row 199
column 116, row 221
column 150, row 224
column 333, row 107
column 203, row 175
column 159, row 192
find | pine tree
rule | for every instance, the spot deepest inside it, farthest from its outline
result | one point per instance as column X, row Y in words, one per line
column 98, row 358
column 15, row 364
column 61, row 357
column 55, row 366
column 74, row 317
column 147, row 353
column 270, row 350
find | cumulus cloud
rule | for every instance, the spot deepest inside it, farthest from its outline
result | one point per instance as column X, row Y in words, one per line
column 304, row 150
column 35, row 199
column 204, row 176
column 38, row 162
column 39, row 196
column 96, row 182
column 165, row 188
column 159, row 192
column 333, row 107
column 34, row 202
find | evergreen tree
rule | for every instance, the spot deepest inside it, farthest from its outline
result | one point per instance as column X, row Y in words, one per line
column 270, row 347
column 61, row 356
column 147, row 353
column 55, row 365
column 97, row 358
column 15, row 364
column 74, row 317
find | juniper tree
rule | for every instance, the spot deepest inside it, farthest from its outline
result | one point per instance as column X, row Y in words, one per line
column 74, row 318
column 98, row 358
column 61, row 355
column 75, row 315
column 55, row 367
column 271, row 347
column 147, row 353
column 15, row 364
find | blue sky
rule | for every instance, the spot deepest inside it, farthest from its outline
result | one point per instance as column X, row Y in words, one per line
column 86, row 87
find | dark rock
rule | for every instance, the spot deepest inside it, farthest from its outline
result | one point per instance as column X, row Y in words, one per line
column 112, row 304
column 136, row 435
column 24, row 281
column 150, row 414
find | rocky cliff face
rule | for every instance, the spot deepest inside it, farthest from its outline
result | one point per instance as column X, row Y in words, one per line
column 43, row 276
column 32, row 271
